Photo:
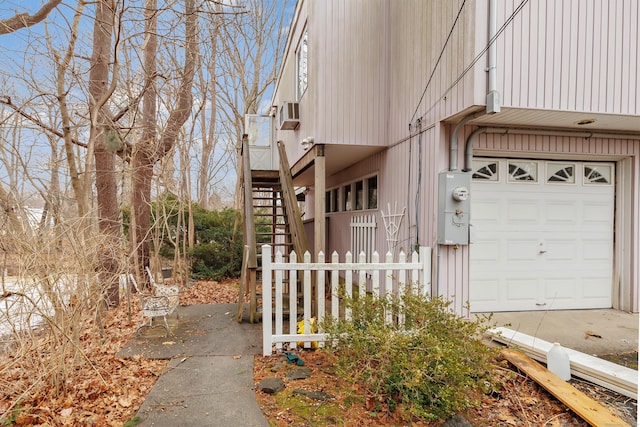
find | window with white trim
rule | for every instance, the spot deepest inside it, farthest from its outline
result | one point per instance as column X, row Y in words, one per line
column 354, row 196
column 302, row 66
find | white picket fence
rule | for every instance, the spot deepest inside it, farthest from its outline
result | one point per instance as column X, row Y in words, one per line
column 363, row 235
column 365, row 275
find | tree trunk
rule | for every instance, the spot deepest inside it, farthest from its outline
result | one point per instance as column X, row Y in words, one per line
column 106, row 188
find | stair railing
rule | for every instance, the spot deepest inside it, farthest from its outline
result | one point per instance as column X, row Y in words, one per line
column 250, row 262
column 298, row 235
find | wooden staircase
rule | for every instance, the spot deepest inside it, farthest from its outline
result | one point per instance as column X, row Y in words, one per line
column 271, row 216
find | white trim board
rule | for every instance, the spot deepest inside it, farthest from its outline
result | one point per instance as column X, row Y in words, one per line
column 599, row 371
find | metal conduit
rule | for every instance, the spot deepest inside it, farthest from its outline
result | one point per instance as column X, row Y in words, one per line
column 468, row 151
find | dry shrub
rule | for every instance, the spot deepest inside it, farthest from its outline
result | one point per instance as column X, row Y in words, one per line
column 46, row 310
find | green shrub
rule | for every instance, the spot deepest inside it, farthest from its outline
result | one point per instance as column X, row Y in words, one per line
column 431, row 366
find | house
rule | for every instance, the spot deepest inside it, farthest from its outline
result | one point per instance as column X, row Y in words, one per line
column 505, row 135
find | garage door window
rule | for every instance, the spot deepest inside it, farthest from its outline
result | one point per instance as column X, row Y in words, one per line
column 523, row 171
column 485, row 170
column 561, row 173
column 597, row 174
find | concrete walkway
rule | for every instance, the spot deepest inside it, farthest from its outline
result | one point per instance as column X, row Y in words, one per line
column 209, row 379
column 594, row 332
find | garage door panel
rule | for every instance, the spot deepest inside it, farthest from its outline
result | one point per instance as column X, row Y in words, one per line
column 487, row 211
column 523, row 212
column 541, row 244
column 595, row 214
column 564, row 250
column 559, row 288
column 487, row 251
column 486, row 291
column 597, row 250
column 522, row 250
column 593, row 288
column 561, row 212
column 519, row 290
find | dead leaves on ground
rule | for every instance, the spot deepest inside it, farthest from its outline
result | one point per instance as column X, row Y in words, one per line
column 105, row 392
column 211, row 292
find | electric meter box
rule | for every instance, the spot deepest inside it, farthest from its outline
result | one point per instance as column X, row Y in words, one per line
column 453, row 207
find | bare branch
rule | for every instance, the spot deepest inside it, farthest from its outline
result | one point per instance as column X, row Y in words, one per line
column 24, row 20
column 6, row 100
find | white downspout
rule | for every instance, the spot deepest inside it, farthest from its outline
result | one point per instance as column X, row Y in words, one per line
column 493, row 96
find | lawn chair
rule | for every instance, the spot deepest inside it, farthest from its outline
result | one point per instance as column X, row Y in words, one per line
column 162, row 304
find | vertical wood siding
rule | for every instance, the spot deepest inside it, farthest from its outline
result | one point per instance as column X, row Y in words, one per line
column 419, row 30
column 348, row 71
column 575, row 55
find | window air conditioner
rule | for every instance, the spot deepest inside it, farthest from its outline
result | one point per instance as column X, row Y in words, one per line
column 289, row 116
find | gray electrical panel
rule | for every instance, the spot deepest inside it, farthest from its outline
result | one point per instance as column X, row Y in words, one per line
column 453, row 207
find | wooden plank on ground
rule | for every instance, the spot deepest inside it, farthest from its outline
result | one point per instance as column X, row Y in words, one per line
column 585, row 407
column 618, row 378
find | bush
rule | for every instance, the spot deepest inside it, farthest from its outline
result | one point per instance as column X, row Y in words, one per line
column 431, row 366
column 218, row 254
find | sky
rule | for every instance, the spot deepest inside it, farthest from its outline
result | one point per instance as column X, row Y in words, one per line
column 27, row 70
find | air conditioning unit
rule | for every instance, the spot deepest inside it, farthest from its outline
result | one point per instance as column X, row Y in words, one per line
column 289, row 115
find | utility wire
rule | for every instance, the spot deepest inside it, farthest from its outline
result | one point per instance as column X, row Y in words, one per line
column 438, row 60
column 480, row 55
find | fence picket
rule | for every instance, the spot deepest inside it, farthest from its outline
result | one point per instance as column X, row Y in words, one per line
column 334, row 287
column 388, row 284
column 293, row 298
column 348, row 284
column 320, row 288
column 279, row 309
column 306, row 316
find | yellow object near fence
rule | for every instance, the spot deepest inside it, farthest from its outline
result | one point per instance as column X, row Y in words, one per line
column 313, row 328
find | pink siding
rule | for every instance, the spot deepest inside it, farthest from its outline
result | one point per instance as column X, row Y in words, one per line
column 579, row 55
column 348, row 72
column 419, row 31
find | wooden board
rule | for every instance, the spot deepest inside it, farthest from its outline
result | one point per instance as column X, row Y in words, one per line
column 585, row 407
column 618, row 378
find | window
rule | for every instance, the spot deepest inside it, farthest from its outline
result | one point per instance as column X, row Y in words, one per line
column 346, row 199
column 302, row 66
column 354, row 196
column 561, row 173
column 372, row 193
column 597, row 174
column 359, row 195
column 485, row 170
column 523, row 171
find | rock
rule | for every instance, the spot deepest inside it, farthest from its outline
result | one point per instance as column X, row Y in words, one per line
column 456, row 421
column 271, row 385
column 315, row 395
column 298, row 374
column 278, row 366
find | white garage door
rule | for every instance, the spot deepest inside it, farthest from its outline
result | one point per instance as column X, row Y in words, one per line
column 543, row 235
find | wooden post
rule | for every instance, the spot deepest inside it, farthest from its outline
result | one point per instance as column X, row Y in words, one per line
column 319, row 224
column 319, row 202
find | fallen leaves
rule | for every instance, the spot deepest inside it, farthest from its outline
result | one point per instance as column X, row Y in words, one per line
column 211, row 292
column 102, row 390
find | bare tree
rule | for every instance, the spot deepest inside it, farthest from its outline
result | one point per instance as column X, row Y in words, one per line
column 153, row 147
